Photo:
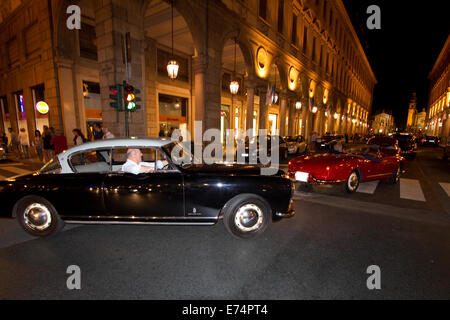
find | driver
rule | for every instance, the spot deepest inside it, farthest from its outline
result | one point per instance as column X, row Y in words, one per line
column 135, row 164
column 369, row 154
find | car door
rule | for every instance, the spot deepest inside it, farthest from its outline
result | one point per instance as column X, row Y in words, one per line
column 79, row 193
column 158, row 194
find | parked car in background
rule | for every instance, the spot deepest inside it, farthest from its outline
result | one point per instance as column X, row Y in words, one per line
column 324, row 142
column 296, row 145
column 407, row 143
column 378, row 160
column 431, row 141
column 279, row 144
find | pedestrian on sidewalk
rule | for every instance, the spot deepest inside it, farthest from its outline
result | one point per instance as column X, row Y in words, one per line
column 38, row 144
column 59, row 141
column 107, row 134
column 98, row 132
column 78, row 137
column 48, row 147
column 14, row 144
column 24, row 143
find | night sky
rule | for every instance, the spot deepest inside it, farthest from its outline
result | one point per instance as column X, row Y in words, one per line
column 404, row 51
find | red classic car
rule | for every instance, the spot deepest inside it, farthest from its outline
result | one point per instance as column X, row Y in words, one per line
column 379, row 159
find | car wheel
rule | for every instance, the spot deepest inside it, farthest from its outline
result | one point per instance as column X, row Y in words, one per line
column 246, row 216
column 395, row 176
column 352, row 183
column 37, row 216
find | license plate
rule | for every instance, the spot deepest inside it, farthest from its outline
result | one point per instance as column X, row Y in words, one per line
column 301, row 176
column 431, row 140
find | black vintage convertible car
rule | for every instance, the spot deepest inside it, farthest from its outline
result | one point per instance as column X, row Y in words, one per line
column 86, row 184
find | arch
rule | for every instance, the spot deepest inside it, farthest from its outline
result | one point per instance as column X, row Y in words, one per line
column 244, row 49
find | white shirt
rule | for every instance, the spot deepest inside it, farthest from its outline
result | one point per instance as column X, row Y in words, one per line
column 132, row 167
column 108, row 135
column 23, row 138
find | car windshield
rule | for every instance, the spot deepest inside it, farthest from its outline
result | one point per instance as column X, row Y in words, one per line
column 290, row 139
column 179, row 153
column 53, row 166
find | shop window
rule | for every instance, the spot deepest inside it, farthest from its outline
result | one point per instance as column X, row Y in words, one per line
column 5, row 115
column 40, row 114
column 172, row 114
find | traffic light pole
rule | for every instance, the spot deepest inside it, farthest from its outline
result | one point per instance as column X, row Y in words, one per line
column 127, row 129
column 126, row 46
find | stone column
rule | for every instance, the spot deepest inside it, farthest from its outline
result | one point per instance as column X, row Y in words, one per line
column 283, row 102
column 112, row 22
column 306, row 119
column 262, row 108
column 292, row 117
column 250, row 102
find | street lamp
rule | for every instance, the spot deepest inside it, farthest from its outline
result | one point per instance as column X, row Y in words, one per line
column 336, row 116
column 298, row 105
column 172, row 65
column 314, row 110
column 234, row 87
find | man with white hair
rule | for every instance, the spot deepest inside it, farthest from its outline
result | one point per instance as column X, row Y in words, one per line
column 134, row 163
column 107, row 134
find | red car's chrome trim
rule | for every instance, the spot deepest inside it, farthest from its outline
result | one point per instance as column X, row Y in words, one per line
column 380, row 175
column 325, row 181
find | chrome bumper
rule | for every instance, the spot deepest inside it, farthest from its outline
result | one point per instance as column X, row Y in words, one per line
column 288, row 214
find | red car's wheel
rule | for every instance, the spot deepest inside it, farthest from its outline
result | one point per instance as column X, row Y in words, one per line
column 352, row 183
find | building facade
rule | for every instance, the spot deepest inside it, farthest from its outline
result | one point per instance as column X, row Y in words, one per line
column 383, row 123
column 438, row 112
column 298, row 63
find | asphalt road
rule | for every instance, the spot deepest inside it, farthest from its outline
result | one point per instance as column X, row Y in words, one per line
column 321, row 253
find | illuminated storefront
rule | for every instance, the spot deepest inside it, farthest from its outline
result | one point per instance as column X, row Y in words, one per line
column 172, row 114
column 41, row 108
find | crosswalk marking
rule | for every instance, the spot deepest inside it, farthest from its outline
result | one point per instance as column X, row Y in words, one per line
column 368, row 187
column 446, row 187
column 16, row 170
column 410, row 189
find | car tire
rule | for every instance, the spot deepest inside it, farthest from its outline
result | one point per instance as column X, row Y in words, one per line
column 395, row 176
column 237, row 220
column 48, row 222
column 352, row 182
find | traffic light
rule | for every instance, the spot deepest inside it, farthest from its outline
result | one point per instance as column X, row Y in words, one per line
column 131, row 99
column 115, row 93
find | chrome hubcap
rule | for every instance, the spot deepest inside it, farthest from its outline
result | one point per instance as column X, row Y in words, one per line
column 249, row 217
column 353, row 181
column 37, row 216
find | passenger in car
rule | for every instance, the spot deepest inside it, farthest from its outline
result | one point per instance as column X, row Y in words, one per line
column 134, row 163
